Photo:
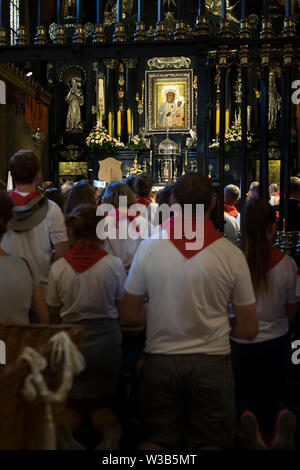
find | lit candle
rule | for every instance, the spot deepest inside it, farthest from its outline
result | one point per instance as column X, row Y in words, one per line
column 249, row 110
column 227, row 125
column 150, row 159
column 159, row 11
column 218, row 121
column 110, row 123
column 58, row 11
column 78, row 11
column 129, row 128
column 119, row 123
column 186, row 158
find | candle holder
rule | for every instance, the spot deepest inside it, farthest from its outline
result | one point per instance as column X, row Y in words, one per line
column 160, row 32
column 244, row 49
column 3, row 37
column 59, row 35
column 21, row 39
column 119, row 34
column 202, row 26
column 289, row 28
column 98, row 36
column 180, row 31
column 140, row 32
column 266, row 33
column 40, row 38
column 225, row 31
column 78, row 37
column 129, row 137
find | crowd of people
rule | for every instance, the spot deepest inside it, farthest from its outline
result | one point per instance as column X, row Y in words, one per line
column 204, row 333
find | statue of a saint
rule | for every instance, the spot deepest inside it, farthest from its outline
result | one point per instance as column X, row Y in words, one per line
column 274, row 101
column 75, row 100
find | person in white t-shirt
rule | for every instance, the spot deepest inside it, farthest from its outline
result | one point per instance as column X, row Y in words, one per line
column 19, row 289
column 187, row 385
column 261, row 366
column 231, row 228
column 125, row 249
column 37, row 231
column 85, row 288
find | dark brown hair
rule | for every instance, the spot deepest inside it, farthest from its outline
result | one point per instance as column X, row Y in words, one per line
column 114, row 190
column 24, row 166
column 259, row 217
column 6, row 211
column 82, row 222
column 80, row 193
column 193, row 189
column 143, row 184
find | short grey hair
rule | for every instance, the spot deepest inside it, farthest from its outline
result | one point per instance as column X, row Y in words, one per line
column 232, row 193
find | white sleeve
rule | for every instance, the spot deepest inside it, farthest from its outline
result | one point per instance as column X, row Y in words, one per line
column 243, row 293
column 135, row 283
column 52, row 294
column 291, row 276
column 57, row 226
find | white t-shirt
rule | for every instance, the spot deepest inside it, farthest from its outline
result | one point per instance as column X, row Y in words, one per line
column 87, row 295
column 231, row 228
column 36, row 245
column 273, row 320
column 188, row 298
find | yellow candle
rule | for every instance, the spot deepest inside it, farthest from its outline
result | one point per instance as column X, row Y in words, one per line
column 129, row 129
column 110, row 123
column 119, row 123
column 218, row 121
column 150, row 159
column 227, row 124
column 186, row 158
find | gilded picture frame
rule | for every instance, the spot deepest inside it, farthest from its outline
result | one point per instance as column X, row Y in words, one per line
column 169, row 101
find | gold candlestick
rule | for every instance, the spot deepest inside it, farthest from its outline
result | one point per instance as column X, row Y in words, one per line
column 59, row 36
column 186, row 158
column 150, row 158
column 140, row 32
column 21, row 39
column 180, row 31
column 78, row 37
column 41, row 36
column 98, row 36
column 119, row 34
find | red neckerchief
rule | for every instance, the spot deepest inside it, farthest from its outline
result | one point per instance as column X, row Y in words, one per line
column 230, row 209
column 83, row 256
column 298, row 272
column 275, row 257
column 210, row 236
column 145, row 200
column 20, row 200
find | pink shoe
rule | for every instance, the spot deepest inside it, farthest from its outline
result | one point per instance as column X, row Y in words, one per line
column 252, row 437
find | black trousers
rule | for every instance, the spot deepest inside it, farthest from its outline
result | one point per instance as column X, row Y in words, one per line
column 260, row 372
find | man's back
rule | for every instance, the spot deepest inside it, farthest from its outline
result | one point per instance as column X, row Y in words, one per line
column 36, row 245
column 188, row 298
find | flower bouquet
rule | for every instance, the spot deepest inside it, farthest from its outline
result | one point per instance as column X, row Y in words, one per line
column 233, row 138
column 99, row 139
column 136, row 169
column 136, row 143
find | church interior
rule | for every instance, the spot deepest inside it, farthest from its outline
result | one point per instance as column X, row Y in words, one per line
column 103, row 90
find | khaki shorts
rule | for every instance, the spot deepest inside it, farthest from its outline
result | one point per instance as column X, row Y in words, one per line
column 187, row 401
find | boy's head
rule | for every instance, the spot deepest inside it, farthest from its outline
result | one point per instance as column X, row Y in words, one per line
column 24, row 167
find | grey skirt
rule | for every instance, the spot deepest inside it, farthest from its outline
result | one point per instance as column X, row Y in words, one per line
column 101, row 349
